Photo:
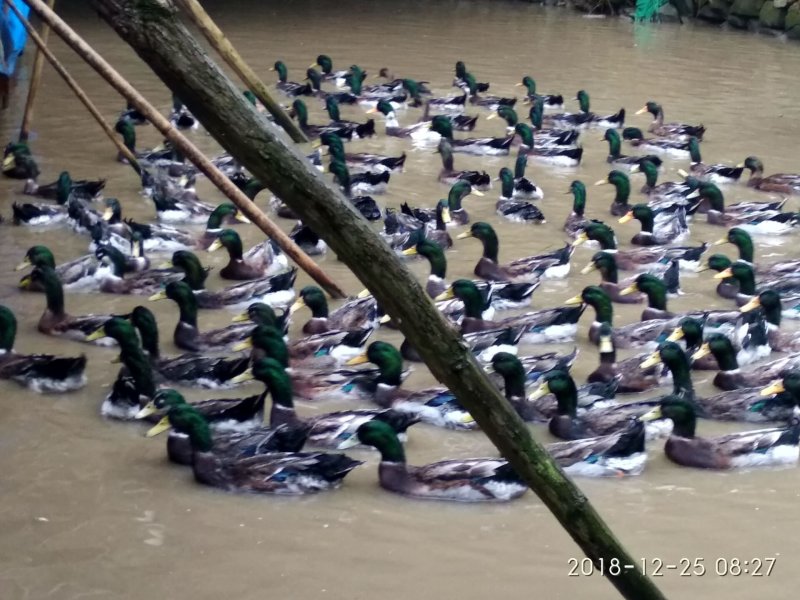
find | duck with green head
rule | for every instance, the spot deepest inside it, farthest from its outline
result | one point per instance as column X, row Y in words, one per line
column 111, row 277
column 325, row 64
column 85, row 189
column 354, row 79
column 524, row 188
column 442, row 125
column 630, row 379
column 744, row 244
column 586, row 118
column 361, row 161
column 747, row 449
column 751, row 341
column 606, row 264
column 763, row 218
column 653, row 233
column 40, row 214
column 547, row 136
column 357, row 130
column 289, row 88
column 783, row 183
column 262, row 260
column 18, row 162
column 356, row 314
column 771, row 305
column 160, row 156
column 728, row 287
column 224, row 214
column 508, row 114
column 479, row 180
column 576, row 220
column 75, row 274
column 676, row 148
column 655, row 290
column 462, row 74
column 470, row 86
column 299, row 110
column 550, row 153
column 550, row 265
column 679, row 131
column 622, row 185
column 615, row 155
column 284, row 473
column 435, row 406
column 520, row 211
column 662, row 196
column 719, row 174
column 744, row 274
column 553, row 101
column 420, row 132
column 359, row 183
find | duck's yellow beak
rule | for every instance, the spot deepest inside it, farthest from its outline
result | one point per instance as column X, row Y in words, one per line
column 677, row 334
column 167, row 264
column 162, row 295
column 243, row 345
column 364, row 294
column 8, row 162
column 96, row 335
column 410, row 251
column 582, row 237
column 446, row 215
column 23, row 265
column 606, row 345
column 626, row 217
column 694, row 194
column 704, row 350
column 752, row 305
column 464, row 235
column 724, row 274
column 448, row 294
column 466, row 418
column 300, row 303
column 776, row 387
column 215, row 245
column 241, row 318
column 653, row 415
column 491, row 116
column 25, row 282
column 372, row 110
column 740, row 166
column 651, row 361
column 358, row 360
column 641, row 111
column 574, row 301
column 162, row 426
column 589, row 268
column 241, row 218
column 108, row 214
column 475, row 192
column 602, row 181
column 311, row 66
column 701, row 268
column 631, row 289
column 116, row 360
column 148, row 410
column 242, row 377
column 683, row 173
column 384, row 319
column 541, row 391
column 720, row 241
column 635, row 169
column 316, row 144
column 518, row 84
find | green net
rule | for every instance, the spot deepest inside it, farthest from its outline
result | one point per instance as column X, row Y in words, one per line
column 646, row 10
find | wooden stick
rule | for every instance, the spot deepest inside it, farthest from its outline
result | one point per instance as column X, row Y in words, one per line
column 41, row 44
column 161, row 40
column 187, row 148
column 36, row 76
column 223, row 46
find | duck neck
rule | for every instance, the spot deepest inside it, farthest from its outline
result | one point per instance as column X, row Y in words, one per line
column 536, row 117
column 578, row 201
column 745, row 247
column 694, row 151
column 139, row 368
column 685, row 426
column 726, row 358
column 8, row 331
column 438, row 264
column 188, row 310
column 280, row 388
column 656, row 296
column 507, row 181
column 391, row 371
column 63, row 188
column 473, row 304
column 623, row 188
column 149, row 335
column 567, row 399
column 647, row 221
column 391, row 450
column 515, row 382
column 490, row 246
column 608, row 271
column 55, row 294
column 234, row 248
column 747, row 281
column 681, row 376
column 603, row 310
column 614, row 144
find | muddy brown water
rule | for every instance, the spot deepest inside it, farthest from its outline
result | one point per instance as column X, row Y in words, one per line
column 91, row 509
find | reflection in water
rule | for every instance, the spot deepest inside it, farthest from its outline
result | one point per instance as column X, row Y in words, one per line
column 92, row 509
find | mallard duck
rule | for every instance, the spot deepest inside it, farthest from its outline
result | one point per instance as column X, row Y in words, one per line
column 308, row 240
column 420, row 132
column 782, row 183
column 607, row 265
column 524, row 187
column 360, row 162
column 640, row 258
column 620, row 454
column 770, row 303
column 262, row 260
column 359, row 183
column 187, row 336
column 576, row 220
column 548, row 137
column 551, row 154
column 75, row 274
column 325, row 64
column 461, row 480
column 352, row 97
column 586, row 118
column 569, row 424
column 676, row 130
column 235, row 426
column 156, row 237
column 178, row 204
column 629, row 377
column 615, row 155
column 299, row 110
column 359, row 313
column 744, row 449
column 289, row 88
column 111, row 279
column 763, row 218
column 549, row 100
column 461, row 75
column 541, row 326
column 187, row 369
column 727, row 287
column 404, row 230
column 668, row 231
column 664, row 196
column 718, row 174
column 492, row 146
column 508, row 114
column 479, row 180
column 287, row 473
column 180, row 116
column 39, row 214
column 358, row 130
column 622, row 185
column 18, row 163
column 469, row 85
column 65, row 186
column 161, row 156
column 552, row 265
column 744, row 275
column 436, row 406
column 656, row 292
column 503, row 295
column 517, row 210
column 459, row 122
column 744, row 244
column 43, row 373
column 55, row 321
column 634, row 136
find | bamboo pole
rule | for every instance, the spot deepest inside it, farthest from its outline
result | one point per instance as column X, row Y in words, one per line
column 153, row 30
column 36, row 76
column 187, row 148
column 223, row 46
column 41, row 44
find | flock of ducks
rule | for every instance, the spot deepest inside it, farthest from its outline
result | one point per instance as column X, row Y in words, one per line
column 227, row 442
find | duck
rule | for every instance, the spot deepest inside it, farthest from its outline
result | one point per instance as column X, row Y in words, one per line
column 523, row 187
column 42, row 373
column 557, row 155
column 262, row 260
column 308, row 240
column 479, row 180
column 420, row 132
column 460, row 480
column 469, row 85
column 541, row 326
column 18, row 162
column 744, row 244
column 233, row 433
column 178, row 204
column 777, row 446
column 508, row 114
column 84, row 189
column 187, row 336
column 679, row 131
column 359, row 313
column 361, row 161
column 436, row 406
column 503, row 295
column 586, row 118
column 481, row 146
column 461, row 76
column 299, row 110
column 763, row 218
column 354, row 79
column 359, row 183
column 193, row 370
column 630, row 379
column 54, row 320
column 289, row 88
column 615, row 155
column 554, row 101
column 622, row 185
column 517, row 210
column 771, row 305
column 459, row 122
column 282, row 473
column 727, row 287
column 744, row 275
column 606, row 264
column 719, row 174
column 548, row 136
column 402, row 231
column 667, row 232
column 358, row 130
column 635, row 137
column 111, row 277
column 325, row 64
column 156, row 237
column 75, row 274
column 782, row 183
column 552, row 265
column 44, row 214
column 640, row 258
column 576, row 220
column 224, row 214
column 180, row 116
column 161, row 156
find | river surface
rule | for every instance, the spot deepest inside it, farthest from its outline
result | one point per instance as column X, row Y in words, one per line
column 91, row 509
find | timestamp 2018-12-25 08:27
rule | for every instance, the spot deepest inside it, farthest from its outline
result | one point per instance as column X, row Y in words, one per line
column 683, row 567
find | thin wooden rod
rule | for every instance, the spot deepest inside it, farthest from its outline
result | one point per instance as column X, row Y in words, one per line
column 36, row 76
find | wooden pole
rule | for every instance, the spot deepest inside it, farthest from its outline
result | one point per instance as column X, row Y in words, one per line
column 187, row 148
column 223, row 46
column 36, row 76
column 155, row 32
column 43, row 50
